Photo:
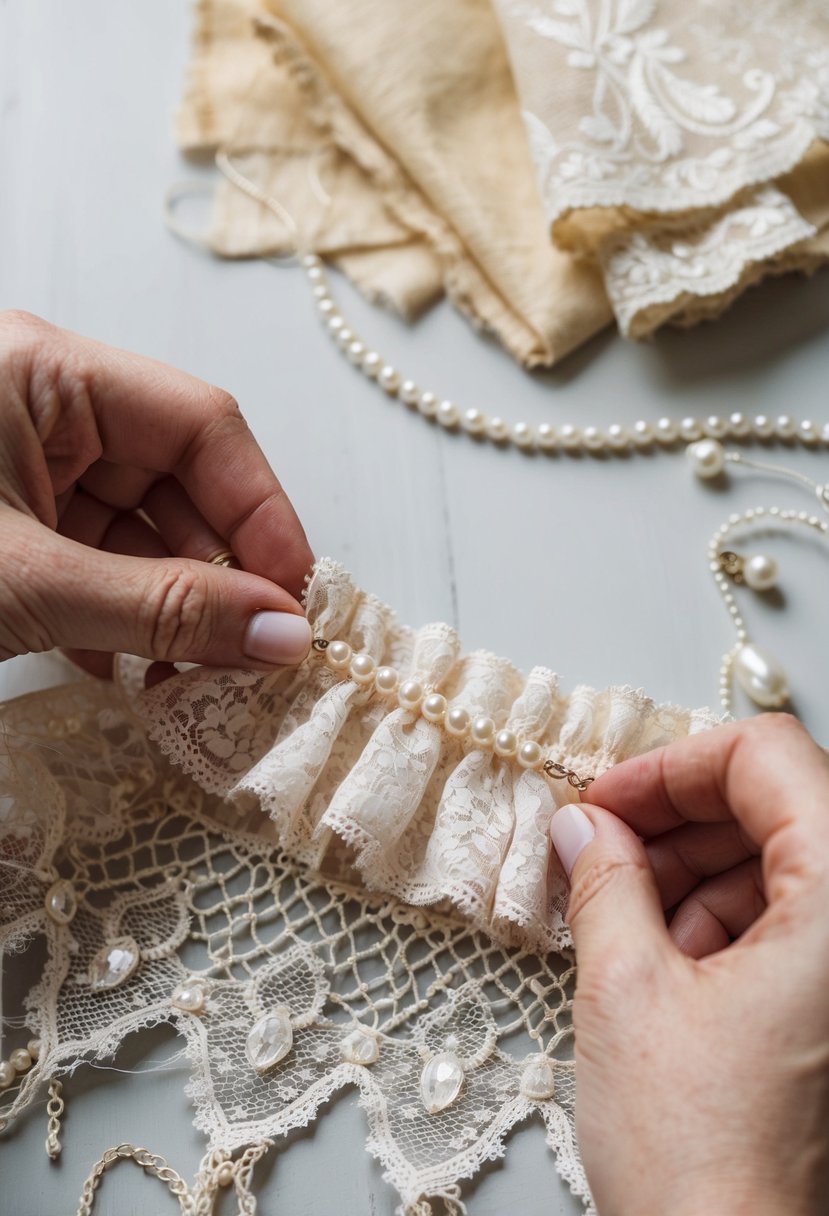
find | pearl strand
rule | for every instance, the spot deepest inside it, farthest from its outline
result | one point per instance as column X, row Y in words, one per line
column 19, row 1062
column 480, row 731
column 617, row 439
column 760, row 675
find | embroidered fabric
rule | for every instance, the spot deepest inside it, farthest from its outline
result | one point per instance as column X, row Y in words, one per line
column 385, row 924
column 657, row 135
column 652, row 128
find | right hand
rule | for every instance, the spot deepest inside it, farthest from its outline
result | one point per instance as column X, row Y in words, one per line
column 702, row 1044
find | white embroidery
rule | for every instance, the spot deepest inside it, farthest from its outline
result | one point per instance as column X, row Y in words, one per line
column 668, row 108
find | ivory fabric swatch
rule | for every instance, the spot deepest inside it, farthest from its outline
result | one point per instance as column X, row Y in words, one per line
column 549, row 164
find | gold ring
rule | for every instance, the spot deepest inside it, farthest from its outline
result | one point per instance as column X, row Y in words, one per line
column 223, row 558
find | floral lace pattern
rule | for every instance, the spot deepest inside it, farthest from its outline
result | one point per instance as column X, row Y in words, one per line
column 427, row 817
column 640, row 104
column 322, row 892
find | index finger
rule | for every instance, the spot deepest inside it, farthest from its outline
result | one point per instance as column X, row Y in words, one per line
column 157, row 417
column 766, row 773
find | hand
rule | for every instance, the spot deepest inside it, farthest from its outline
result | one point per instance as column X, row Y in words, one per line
column 119, row 479
column 702, row 1046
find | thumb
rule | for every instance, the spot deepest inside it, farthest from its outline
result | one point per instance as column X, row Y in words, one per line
column 614, row 900
column 56, row 592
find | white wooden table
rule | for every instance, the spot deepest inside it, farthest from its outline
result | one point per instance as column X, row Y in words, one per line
column 595, row 567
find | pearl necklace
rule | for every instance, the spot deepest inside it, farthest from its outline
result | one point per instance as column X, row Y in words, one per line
column 546, row 438
column 759, row 674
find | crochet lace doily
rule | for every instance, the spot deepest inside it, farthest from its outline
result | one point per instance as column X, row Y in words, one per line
column 312, row 851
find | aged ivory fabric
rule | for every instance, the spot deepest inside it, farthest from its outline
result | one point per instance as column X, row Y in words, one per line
column 659, row 130
column 378, row 896
column 676, row 150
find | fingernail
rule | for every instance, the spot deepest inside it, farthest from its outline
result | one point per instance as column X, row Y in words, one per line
column 570, row 830
column 277, row 637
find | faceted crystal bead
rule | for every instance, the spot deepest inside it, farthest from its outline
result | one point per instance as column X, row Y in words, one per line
column 361, row 1046
column 538, row 1079
column 190, row 996
column 441, row 1081
column 114, row 964
column 61, row 902
column 270, row 1039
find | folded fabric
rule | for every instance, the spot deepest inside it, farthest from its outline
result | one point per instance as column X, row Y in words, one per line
column 424, row 815
column 677, row 161
column 658, row 133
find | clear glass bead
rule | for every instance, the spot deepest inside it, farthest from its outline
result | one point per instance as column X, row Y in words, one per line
column 270, row 1039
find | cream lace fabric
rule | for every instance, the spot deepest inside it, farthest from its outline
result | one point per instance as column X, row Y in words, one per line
column 671, row 153
column 658, row 131
column 321, row 892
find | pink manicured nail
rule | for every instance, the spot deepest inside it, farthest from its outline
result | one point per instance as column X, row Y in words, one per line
column 570, row 830
column 277, row 637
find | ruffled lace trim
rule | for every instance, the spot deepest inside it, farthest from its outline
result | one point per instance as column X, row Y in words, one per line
column 421, row 815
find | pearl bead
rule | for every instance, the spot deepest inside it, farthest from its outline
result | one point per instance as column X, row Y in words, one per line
column 224, row 1177
column 372, row 364
column 547, row 439
column 427, row 404
column 473, row 421
column 344, row 337
column 763, row 427
column 760, row 572
column 447, row 414
column 410, row 694
column 707, row 458
column 190, row 996
column 570, row 437
column 824, row 432
column 739, row 424
column 761, row 676
column 389, row 378
column 356, row 351
column 33, row 1048
column 335, row 324
column 363, row 668
column 497, row 430
column 338, row 655
column 457, row 721
column 320, row 292
column 642, row 434
column 326, row 306
column 7, row 1074
column 807, row 431
column 386, row 680
column 506, row 743
column 666, row 431
column 20, row 1060
column 483, row 731
column 690, row 429
column 618, row 437
column 715, row 427
column 529, row 754
column 434, row 707
column 409, row 392
column 312, row 264
column 784, row 426
column 593, row 438
column 523, row 436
